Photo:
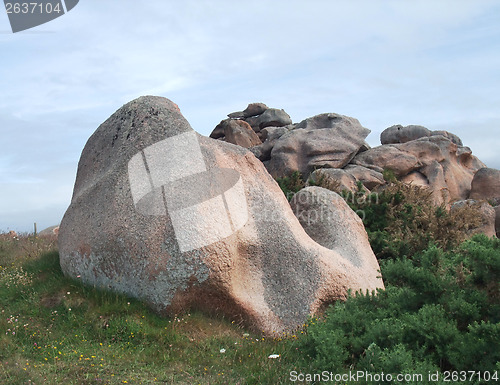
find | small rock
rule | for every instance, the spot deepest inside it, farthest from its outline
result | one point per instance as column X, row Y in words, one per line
column 52, row 230
column 400, row 134
column 334, row 179
column 454, row 138
column 240, row 133
column 218, row 131
column 254, row 109
column 236, row 115
column 272, row 117
column 486, row 184
column 369, row 178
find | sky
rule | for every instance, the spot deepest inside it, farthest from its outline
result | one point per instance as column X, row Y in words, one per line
column 432, row 63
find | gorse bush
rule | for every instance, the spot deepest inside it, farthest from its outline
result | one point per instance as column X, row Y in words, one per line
column 291, row 184
column 440, row 311
column 403, row 220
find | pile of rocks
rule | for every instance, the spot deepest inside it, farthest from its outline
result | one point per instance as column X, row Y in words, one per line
column 331, row 148
column 246, row 128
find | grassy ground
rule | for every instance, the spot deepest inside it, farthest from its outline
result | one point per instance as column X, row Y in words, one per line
column 54, row 330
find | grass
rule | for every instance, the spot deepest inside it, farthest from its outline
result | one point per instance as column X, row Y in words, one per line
column 54, row 330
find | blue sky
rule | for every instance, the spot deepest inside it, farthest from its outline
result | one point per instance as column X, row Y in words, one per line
column 434, row 63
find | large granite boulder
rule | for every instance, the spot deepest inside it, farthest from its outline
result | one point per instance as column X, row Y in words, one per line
column 326, row 140
column 486, row 184
column 184, row 222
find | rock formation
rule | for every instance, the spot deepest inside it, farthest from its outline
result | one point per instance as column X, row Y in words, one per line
column 326, row 140
column 330, row 148
column 182, row 221
column 432, row 161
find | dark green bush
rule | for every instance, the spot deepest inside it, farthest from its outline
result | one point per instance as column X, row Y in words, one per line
column 440, row 311
column 291, row 184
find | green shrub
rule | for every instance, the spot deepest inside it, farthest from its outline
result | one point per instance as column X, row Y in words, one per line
column 439, row 311
column 291, row 184
column 402, row 219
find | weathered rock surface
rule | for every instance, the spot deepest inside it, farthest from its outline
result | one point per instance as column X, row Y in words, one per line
column 454, row 138
column 269, row 137
column 237, row 132
column 328, row 219
column 138, row 187
column 326, row 140
column 272, row 117
column 254, row 109
column 240, row 133
column 431, row 161
column 334, row 179
column 387, row 157
column 436, row 160
column 218, row 131
column 485, row 210
column 399, row 134
column 370, row 178
column 486, row 184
